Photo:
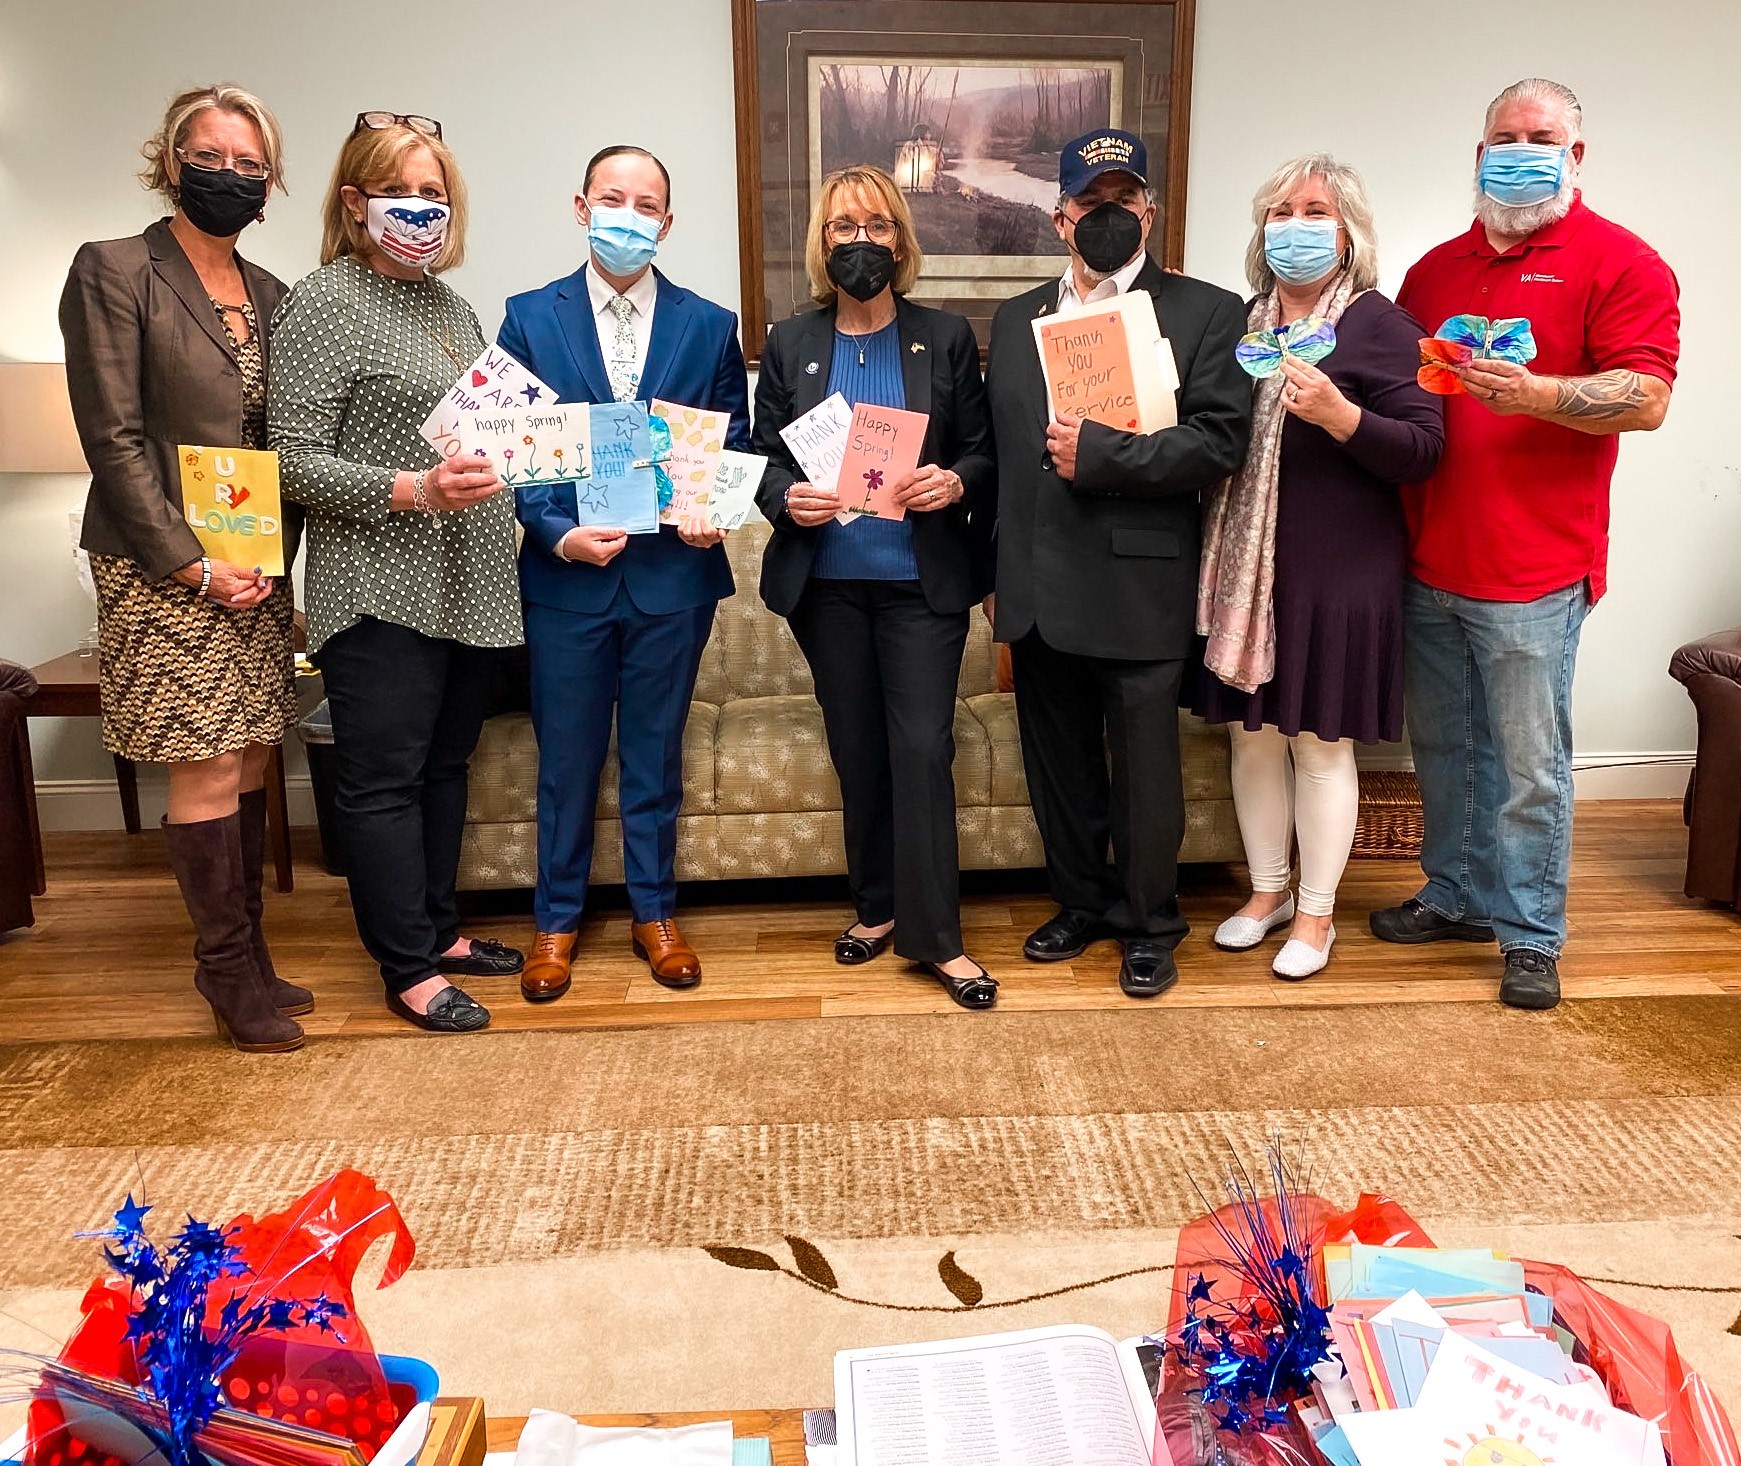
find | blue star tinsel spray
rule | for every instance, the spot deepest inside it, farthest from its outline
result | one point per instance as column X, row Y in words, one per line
column 1254, row 1352
column 182, row 1358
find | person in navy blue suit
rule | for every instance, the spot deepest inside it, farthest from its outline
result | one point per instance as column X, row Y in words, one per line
column 617, row 622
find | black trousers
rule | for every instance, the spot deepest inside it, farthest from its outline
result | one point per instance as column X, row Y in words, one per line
column 886, row 667
column 1100, row 741
column 406, row 713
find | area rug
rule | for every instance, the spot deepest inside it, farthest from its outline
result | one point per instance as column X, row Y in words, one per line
column 697, row 1217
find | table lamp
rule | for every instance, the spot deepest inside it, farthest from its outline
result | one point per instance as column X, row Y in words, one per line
column 36, row 420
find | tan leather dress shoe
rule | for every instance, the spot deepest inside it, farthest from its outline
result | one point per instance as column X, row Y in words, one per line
column 545, row 975
column 662, row 947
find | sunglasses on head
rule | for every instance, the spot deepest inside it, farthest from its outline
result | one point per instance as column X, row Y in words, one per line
column 375, row 121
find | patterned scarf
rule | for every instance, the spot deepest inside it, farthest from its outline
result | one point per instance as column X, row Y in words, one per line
column 1236, row 589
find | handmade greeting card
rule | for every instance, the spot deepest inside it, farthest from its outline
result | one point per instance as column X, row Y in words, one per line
column 818, row 439
column 621, row 492
column 882, row 447
column 494, row 383
column 733, row 498
column 1108, row 363
column 229, row 497
column 549, row 445
column 691, row 460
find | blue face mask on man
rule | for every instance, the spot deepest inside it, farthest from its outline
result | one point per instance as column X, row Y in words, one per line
column 623, row 241
column 1300, row 251
column 1521, row 174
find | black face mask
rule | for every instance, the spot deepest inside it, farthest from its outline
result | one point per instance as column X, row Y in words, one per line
column 218, row 201
column 1108, row 237
column 862, row 269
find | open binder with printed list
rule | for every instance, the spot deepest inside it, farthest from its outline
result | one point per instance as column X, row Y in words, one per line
column 1064, row 1396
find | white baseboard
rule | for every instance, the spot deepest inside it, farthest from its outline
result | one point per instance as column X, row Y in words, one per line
column 94, row 804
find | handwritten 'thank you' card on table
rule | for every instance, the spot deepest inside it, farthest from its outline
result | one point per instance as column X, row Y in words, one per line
column 622, row 491
column 691, row 458
column 818, row 439
column 883, row 445
column 493, row 384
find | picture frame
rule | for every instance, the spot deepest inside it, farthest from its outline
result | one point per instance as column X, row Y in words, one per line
column 967, row 102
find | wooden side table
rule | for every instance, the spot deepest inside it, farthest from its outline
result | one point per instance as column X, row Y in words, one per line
column 68, row 687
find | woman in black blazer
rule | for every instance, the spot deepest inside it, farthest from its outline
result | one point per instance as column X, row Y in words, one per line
column 167, row 343
column 880, row 606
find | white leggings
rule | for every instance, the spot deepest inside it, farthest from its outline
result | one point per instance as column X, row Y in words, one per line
column 1315, row 794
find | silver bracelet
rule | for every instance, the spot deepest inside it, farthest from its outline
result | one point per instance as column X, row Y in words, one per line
column 205, row 574
column 420, row 499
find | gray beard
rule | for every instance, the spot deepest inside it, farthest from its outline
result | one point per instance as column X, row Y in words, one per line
column 1520, row 221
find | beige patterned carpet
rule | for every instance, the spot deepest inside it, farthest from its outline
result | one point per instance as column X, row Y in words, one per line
column 564, row 1187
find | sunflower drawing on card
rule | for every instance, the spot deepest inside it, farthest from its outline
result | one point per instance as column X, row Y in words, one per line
column 1309, row 339
column 1464, row 339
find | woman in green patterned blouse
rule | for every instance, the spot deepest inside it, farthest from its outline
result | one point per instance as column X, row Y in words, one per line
column 410, row 578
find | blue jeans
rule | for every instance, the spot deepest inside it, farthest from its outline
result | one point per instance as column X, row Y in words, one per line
column 1489, row 710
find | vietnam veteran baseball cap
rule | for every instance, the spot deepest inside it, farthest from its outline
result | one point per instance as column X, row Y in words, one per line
column 1095, row 153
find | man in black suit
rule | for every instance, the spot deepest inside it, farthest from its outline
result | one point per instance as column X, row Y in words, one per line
column 1097, row 550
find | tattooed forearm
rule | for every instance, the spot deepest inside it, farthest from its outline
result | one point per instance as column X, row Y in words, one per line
column 1612, row 394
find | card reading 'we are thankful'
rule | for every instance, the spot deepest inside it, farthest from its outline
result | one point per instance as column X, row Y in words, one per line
column 495, row 383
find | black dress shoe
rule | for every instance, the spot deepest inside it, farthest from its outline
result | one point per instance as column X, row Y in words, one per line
column 1532, row 979
column 979, row 990
column 451, row 1011
column 1065, row 936
column 1148, row 969
column 1412, row 922
column 487, row 959
column 853, row 950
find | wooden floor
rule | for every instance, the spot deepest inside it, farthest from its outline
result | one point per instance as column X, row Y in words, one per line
column 108, row 957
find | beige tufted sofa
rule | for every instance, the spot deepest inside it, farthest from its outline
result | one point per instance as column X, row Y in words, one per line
column 759, row 794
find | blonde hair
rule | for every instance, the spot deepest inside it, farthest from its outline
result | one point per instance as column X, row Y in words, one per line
column 885, row 194
column 370, row 160
column 1349, row 195
column 162, row 171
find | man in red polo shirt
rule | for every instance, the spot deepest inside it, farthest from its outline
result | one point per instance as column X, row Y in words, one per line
column 1509, row 538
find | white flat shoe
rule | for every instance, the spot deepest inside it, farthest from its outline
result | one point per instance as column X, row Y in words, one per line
column 1242, row 933
column 1298, row 960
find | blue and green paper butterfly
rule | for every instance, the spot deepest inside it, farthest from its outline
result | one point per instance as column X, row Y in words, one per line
column 1310, row 339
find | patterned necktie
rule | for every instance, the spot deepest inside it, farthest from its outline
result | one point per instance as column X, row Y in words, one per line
column 622, row 362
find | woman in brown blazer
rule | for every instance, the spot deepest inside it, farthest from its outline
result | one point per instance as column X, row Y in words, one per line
column 165, row 345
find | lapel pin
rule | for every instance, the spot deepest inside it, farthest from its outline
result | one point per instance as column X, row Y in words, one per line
column 917, row 347
column 1044, row 309
column 811, row 369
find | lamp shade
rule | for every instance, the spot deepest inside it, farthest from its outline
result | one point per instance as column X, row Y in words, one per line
column 36, row 420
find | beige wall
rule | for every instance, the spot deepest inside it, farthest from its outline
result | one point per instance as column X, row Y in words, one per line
column 1394, row 86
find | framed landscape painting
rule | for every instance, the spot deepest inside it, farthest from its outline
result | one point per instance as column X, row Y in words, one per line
column 967, row 103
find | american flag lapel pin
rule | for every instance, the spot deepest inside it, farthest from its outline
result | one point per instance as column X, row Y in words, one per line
column 917, row 347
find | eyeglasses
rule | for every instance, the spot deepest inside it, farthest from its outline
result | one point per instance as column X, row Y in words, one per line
column 844, row 231
column 215, row 162
column 375, row 121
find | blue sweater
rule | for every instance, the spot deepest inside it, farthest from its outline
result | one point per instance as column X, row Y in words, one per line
column 867, row 548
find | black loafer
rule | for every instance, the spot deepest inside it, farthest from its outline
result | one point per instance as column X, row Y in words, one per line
column 451, row 1012
column 1532, row 980
column 1412, row 922
column 487, row 959
column 853, row 950
column 1148, row 969
column 978, row 990
column 1065, row 936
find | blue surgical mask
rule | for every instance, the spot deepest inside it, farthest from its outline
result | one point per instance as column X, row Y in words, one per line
column 1521, row 174
column 1301, row 250
column 623, row 241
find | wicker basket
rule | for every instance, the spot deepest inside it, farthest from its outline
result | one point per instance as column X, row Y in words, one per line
column 1391, row 823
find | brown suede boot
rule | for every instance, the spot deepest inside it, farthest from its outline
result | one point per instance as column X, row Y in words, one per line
column 207, row 860
column 287, row 997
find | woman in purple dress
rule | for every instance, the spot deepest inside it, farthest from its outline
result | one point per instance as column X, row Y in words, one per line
column 1304, row 552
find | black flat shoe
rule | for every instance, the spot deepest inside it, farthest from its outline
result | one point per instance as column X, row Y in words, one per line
column 1065, row 936
column 852, row 950
column 1148, row 969
column 451, row 1012
column 487, row 959
column 977, row 991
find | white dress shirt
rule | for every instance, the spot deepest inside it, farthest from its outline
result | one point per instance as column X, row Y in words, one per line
column 1115, row 284
column 642, row 295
